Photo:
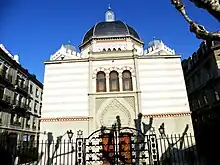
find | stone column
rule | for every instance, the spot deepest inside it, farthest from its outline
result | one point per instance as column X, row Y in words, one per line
column 120, row 82
column 134, row 86
column 107, row 82
column 137, row 83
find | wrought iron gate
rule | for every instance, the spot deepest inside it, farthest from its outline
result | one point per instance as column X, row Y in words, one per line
column 117, row 145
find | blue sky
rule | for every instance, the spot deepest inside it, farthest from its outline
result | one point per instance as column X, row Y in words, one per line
column 35, row 29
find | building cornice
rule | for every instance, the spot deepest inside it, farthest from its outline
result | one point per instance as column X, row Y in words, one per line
column 159, row 56
column 16, row 129
column 15, row 65
column 112, row 58
column 110, row 38
column 85, row 118
column 114, row 93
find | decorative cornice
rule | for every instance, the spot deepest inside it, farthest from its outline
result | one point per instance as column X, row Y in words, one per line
column 64, row 119
column 110, row 38
column 159, row 115
column 118, row 93
column 116, row 40
column 108, row 70
column 163, row 115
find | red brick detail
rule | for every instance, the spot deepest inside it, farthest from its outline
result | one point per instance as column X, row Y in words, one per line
column 64, row 119
column 163, row 115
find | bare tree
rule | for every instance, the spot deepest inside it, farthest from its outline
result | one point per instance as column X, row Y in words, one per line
column 211, row 6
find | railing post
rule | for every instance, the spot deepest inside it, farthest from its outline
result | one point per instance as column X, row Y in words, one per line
column 80, row 145
column 49, row 142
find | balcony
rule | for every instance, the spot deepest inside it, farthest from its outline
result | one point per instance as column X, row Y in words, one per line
column 5, row 78
column 21, row 88
column 5, row 101
column 35, row 110
column 15, row 123
column 34, row 127
column 29, row 108
column 28, row 126
column 20, row 106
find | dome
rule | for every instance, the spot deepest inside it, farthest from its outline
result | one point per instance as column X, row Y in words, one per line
column 70, row 47
column 110, row 29
column 154, row 43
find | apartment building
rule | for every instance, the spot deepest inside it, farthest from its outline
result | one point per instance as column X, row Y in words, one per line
column 20, row 99
column 202, row 77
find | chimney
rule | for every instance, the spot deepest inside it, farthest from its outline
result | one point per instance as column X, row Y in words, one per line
column 16, row 58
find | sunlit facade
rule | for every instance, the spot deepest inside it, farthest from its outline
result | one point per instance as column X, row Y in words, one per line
column 113, row 74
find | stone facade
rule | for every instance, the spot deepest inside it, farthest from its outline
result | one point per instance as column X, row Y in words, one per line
column 155, row 85
column 201, row 72
column 20, row 97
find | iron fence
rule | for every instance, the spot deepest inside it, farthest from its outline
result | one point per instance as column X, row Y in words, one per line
column 178, row 150
column 172, row 150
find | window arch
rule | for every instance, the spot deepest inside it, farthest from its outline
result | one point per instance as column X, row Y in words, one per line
column 100, row 82
column 114, row 81
column 127, row 81
column 110, row 17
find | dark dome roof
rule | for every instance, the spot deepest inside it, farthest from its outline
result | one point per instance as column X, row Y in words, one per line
column 105, row 29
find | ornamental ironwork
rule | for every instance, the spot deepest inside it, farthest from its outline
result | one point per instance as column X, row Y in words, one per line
column 119, row 145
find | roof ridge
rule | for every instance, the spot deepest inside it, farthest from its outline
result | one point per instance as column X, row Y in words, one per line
column 126, row 26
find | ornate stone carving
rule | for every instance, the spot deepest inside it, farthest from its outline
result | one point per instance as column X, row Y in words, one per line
column 130, row 101
column 113, row 69
column 119, row 70
column 99, row 102
column 97, row 70
column 115, row 108
column 129, row 69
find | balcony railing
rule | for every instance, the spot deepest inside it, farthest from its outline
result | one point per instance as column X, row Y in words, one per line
column 21, row 86
column 35, row 110
column 5, row 75
column 28, row 126
column 6, row 102
column 34, row 127
column 28, row 108
column 20, row 104
column 7, row 99
column 16, row 123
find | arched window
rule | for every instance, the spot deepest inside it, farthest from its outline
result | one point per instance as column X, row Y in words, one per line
column 100, row 82
column 109, row 49
column 114, row 49
column 114, row 81
column 110, row 17
column 127, row 81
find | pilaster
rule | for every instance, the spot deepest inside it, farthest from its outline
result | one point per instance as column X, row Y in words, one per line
column 138, row 95
column 107, row 82
column 120, row 82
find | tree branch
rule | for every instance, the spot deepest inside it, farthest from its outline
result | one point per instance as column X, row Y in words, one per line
column 212, row 6
column 202, row 33
column 197, row 29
